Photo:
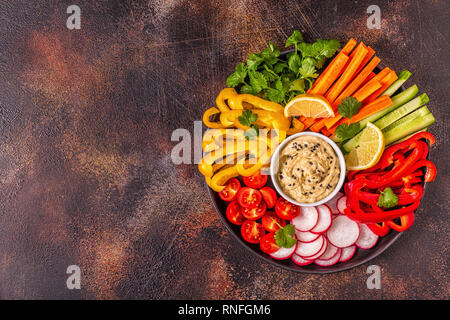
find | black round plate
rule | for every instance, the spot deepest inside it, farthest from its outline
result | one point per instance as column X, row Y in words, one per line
column 361, row 255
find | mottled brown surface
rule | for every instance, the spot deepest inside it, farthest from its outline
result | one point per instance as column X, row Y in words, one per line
column 85, row 123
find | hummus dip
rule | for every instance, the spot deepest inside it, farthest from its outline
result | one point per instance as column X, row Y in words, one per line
column 308, row 169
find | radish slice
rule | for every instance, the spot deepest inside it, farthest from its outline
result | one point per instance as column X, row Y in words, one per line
column 306, row 236
column 342, row 204
column 325, row 219
column 343, row 232
column 367, row 239
column 284, row 253
column 347, row 253
column 329, row 262
column 308, row 249
column 332, row 203
column 318, row 254
column 307, row 219
column 300, row 261
column 329, row 253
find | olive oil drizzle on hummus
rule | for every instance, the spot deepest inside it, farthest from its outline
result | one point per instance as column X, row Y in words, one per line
column 309, row 169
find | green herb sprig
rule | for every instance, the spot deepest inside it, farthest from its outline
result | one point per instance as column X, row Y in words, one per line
column 280, row 78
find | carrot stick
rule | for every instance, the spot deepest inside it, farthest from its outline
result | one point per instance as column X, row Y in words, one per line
column 385, row 83
column 356, row 82
column 372, row 107
column 308, row 122
column 345, row 51
column 345, row 78
column 369, row 77
column 349, row 46
column 325, row 132
column 318, row 125
column 331, row 73
column 369, row 55
column 361, row 44
column 365, row 91
column 367, row 110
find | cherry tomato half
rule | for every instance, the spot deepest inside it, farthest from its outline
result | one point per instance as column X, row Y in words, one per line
column 234, row 214
column 269, row 196
column 286, row 210
column 268, row 244
column 231, row 189
column 248, row 197
column 269, row 224
column 255, row 213
column 252, row 231
column 255, row 181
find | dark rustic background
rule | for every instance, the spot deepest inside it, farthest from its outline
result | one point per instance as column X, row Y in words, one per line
column 85, row 171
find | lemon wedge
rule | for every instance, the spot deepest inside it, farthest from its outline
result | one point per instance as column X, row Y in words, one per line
column 309, row 105
column 369, row 151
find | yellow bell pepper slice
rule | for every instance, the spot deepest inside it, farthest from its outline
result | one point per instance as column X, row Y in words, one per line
column 211, row 139
column 205, row 166
column 228, row 118
column 258, row 103
column 210, row 146
column 230, row 148
column 220, row 178
column 251, row 170
column 273, row 120
column 297, row 127
column 206, row 118
column 224, row 95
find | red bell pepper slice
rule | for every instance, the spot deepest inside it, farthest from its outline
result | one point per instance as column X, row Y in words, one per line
column 407, row 196
column 400, row 169
column 424, row 135
column 406, row 221
column 379, row 229
column 431, row 172
column 364, row 217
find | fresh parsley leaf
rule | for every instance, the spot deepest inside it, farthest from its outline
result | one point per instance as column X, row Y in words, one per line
column 387, row 199
column 307, row 69
column 320, row 48
column 349, row 107
column 294, row 62
column 247, row 117
column 270, row 54
column 257, row 81
column 345, row 131
column 275, row 95
column 294, row 39
column 284, row 237
column 238, row 76
column 253, row 61
column 297, row 85
column 307, row 50
column 247, row 89
column 326, row 48
column 269, row 74
column 252, row 132
column 279, row 67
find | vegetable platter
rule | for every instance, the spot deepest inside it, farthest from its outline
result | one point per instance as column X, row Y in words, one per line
column 378, row 124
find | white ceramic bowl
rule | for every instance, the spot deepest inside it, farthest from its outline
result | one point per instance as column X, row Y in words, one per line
column 275, row 161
